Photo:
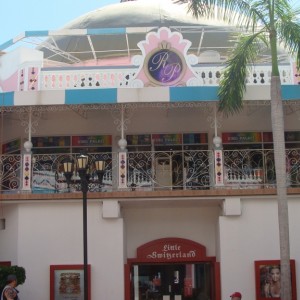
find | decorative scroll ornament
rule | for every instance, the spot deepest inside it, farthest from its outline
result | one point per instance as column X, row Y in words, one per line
column 164, row 60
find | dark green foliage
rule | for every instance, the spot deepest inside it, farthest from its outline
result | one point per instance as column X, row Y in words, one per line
column 5, row 271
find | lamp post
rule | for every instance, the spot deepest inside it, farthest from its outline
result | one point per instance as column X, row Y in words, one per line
column 83, row 166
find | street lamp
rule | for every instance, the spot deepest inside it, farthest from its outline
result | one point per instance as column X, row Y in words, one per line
column 84, row 165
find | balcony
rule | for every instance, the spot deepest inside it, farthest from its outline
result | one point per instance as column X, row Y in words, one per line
column 155, row 171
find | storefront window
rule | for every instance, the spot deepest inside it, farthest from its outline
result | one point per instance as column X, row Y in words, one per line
column 191, row 281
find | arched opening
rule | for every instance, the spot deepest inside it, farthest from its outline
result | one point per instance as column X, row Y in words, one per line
column 172, row 269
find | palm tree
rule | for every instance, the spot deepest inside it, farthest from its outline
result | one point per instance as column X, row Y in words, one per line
column 265, row 23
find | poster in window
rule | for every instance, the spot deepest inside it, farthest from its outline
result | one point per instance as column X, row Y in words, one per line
column 268, row 279
column 67, row 282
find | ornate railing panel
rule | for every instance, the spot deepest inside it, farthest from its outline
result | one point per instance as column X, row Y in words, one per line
column 47, row 174
column 243, row 168
column 293, row 167
column 256, row 168
column 155, row 170
column 169, row 169
column 10, row 172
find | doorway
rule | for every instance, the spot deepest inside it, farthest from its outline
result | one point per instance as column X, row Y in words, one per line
column 172, row 269
column 190, row 281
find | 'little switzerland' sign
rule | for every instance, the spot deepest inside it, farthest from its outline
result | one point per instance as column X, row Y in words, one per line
column 171, row 249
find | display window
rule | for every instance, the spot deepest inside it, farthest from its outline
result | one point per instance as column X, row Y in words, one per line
column 172, row 269
column 173, row 281
column 12, row 147
column 72, row 144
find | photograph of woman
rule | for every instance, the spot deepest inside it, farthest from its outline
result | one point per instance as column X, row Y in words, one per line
column 270, row 281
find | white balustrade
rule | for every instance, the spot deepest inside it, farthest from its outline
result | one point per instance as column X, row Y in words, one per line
column 117, row 78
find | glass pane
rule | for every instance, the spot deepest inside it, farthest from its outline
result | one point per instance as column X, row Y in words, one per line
column 172, row 282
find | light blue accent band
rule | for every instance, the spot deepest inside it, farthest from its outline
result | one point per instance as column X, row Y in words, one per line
column 291, row 92
column 91, row 96
column 36, row 33
column 7, row 99
column 185, row 94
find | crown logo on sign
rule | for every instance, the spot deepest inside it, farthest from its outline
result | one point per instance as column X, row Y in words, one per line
column 165, row 45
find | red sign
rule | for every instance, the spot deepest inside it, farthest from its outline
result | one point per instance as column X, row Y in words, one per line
column 172, row 250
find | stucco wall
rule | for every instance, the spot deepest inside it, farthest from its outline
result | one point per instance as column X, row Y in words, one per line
column 38, row 235
column 253, row 236
column 195, row 223
column 51, row 234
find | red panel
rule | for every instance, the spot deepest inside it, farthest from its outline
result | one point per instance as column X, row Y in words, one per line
column 171, row 250
column 5, row 263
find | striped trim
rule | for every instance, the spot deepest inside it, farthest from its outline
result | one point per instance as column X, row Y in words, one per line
column 124, row 95
column 71, row 32
column 36, row 33
column 6, row 44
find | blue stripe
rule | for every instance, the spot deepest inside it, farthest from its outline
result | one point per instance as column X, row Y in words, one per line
column 6, row 44
column 96, row 31
column 291, row 92
column 195, row 93
column 36, row 33
column 91, row 96
column 7, row 99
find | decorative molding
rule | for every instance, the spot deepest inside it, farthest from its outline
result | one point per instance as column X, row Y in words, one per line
column 27, row 172
column 122, row 182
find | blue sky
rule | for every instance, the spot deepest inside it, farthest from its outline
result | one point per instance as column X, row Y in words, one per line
column 17, row 16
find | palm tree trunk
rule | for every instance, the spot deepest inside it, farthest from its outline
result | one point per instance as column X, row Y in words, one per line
column 280, row 168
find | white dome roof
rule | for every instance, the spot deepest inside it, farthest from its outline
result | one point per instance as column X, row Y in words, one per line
column 138, row 18
column 142, row 13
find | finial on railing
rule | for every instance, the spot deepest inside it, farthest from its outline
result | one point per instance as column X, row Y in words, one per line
column 28, row 146
column 122, row 143
column 217, row 141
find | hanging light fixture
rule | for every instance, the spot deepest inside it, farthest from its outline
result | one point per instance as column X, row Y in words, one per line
column 82, row 162
column 100, row 166
column 68, row 168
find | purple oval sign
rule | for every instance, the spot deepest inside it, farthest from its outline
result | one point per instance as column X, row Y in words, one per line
column 165, row 66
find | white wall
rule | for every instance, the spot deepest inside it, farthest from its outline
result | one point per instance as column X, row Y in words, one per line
column 196, row 223
column 9, row 237
column 253, row 236
column 51, row 234
column 40, row 234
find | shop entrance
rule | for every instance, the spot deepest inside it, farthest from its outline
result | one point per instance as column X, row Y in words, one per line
column 172, row 269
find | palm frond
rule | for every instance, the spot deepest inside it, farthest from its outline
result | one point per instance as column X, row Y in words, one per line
column 282, row 9
column 199, row 8
column 233, row 81
column 243, row 13
column 288, row 33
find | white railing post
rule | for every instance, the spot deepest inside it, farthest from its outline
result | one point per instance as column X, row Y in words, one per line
column 122, row 174
column 122, row 163
column 218, row 159
column 27, row 167
column 219, row 169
